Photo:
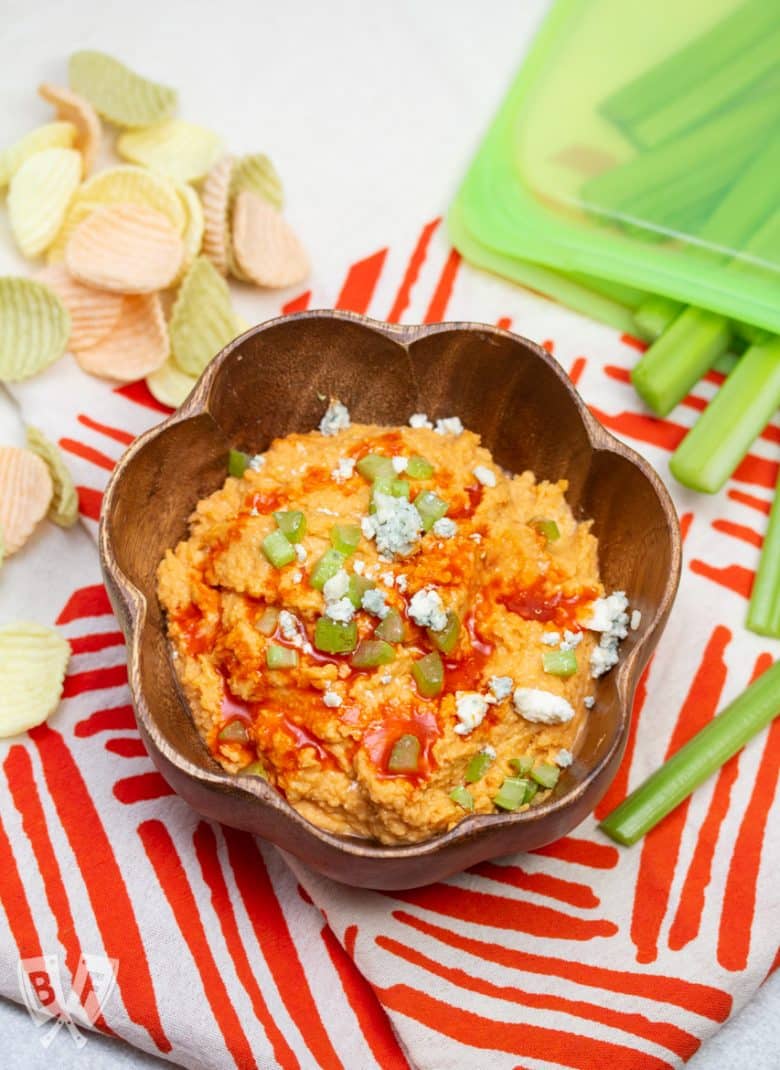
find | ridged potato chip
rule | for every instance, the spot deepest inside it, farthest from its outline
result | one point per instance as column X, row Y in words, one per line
column 183, row 151
column 50, row 136
column 33, row 660
column 256, row 174
column 26, row 492
column 39, row 196
column 170, row 385
column 93, row 313
column 192, row 235
column 64, row 506
column 117, row 93
column 125, row 248
column 202, row 320
column 34, row 328
column 265, row 247
column 216, row 199
column 77, row 110
column 124, row 184
column 137, row 345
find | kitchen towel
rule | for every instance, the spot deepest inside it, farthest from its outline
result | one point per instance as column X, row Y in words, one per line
column 574, row 955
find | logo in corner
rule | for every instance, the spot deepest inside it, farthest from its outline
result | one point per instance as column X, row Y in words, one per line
column 40, row 983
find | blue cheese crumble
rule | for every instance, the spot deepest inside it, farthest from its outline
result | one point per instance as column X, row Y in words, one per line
column 470, row 709
column 541, row 707
column 336, row 418
column 610, row 617
column 395, row 526
column 427, row 609
column 501, row 686
column 445, row 528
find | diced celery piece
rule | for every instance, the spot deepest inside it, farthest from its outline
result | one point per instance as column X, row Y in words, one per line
column 254, row 769
column 374, row 466
column 268, row 620
column 345, row 538
column 234, row 731
column 278, row 549
column 511, row 794
column 358, row 585
column 546, row 527
column 372, row 652
column 326, row 568
column 405, row 755
column 399, row 488
column 428, row 673
column 280, row 657
column 418, row 468
column 430, row 507
column 531, row 790
column 391, row 629
column 237, row 463
column 560, row 662
column 545, row 774
column 522, row 766
column 292, row 524
column 463, row 797
column 447, row 639
column 478, row 766
column 335, row 637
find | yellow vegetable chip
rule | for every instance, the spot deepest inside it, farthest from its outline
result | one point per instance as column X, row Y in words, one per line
column 192, row 235
column 256, row 174
column 117, row 93
column 137, row 345
column 33, row 660
column 202, row 320
column 39, row 195
column 264, row 245
column 64, row 507
column 181, row 150
column 216, row 198
column 170, row 385
column 26, row 492
column 120, row 185
column 77, row 110
column 34, row 328
column 50, row 136
column 125, row 248
column 93, row 312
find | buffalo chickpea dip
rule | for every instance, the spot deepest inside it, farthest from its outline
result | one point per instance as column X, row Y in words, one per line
column 388, row 627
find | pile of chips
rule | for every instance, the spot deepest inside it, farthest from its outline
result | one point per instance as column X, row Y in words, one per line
column 173, row 221
column 133, row 285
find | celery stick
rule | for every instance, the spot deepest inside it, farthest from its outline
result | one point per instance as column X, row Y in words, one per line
column 743, row 70
column 701, row 756
column 697, row 63
column 737, row 414
column 655, row 315
column 749, row 202
column 687, row 169
column 764, row 609
column 677, row 360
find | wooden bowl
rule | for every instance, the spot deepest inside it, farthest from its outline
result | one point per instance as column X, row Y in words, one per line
column 269, row 382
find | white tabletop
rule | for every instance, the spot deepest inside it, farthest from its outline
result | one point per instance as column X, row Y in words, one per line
column 362, row 106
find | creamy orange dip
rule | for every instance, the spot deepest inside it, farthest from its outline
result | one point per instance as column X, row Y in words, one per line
column 392, row 630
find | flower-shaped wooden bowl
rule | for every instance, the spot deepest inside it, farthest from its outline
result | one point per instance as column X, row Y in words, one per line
column 271, row 381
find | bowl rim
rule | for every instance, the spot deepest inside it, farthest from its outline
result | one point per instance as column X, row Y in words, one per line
column 132, row 604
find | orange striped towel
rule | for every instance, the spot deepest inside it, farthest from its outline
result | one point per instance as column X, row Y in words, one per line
column 578, row 955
